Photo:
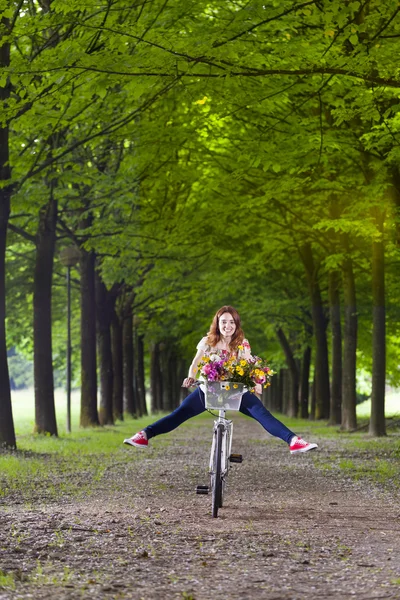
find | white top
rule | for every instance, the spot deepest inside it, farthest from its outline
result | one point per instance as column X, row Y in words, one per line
column 203, row 346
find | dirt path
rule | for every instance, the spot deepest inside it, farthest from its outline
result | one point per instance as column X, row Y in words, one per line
column 287, row 531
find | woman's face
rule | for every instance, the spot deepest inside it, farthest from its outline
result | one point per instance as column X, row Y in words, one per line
column 226, row 324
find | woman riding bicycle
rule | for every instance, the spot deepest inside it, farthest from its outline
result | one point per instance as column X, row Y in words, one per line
column 224, row 337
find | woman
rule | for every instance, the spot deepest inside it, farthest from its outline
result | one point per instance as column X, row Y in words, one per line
column 224, row 337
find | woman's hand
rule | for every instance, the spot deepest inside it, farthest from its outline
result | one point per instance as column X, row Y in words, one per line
column 258, row 389
column 188, row 382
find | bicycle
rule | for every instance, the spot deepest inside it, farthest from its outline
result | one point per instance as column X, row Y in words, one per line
column 221, row 396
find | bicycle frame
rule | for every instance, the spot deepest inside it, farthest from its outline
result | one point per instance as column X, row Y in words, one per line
column 226, row 442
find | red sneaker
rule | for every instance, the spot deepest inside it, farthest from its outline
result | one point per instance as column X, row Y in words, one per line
column 297, row 444
column 139, row 440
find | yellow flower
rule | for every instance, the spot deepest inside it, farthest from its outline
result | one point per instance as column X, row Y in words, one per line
column 239, row 370
column 240, row 347
column 222, row 378
column 235, row 385
column 243, row 363
column 202, row 100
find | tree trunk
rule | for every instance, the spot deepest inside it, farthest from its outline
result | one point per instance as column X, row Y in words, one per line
column 349, row 418
column 140, row 375
column 118, row 369
column 45, row 413
column 273, row 391
column 285, row 390
column 89, row 414
column 182, row 374
column 127, row 351
column 336, row 331
column 155, row 378
column 278, row 397
column 174, row 370
column 322, row 391
column 313, row 398
column 396, row 202
column 104, row 314
column 7, row 432
column 267, row 398
column 304, row 383
column 167, row 386
column 377, row 426
column 293, row 393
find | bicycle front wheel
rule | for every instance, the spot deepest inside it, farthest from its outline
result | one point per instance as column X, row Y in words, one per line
column 216, row 476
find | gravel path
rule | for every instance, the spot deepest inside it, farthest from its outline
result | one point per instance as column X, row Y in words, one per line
column 289, row 530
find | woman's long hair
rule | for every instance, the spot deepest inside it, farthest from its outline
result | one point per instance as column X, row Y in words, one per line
column 214, row 335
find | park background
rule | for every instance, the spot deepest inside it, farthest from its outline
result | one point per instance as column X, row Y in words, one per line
column 159, row 160
column 189, row 158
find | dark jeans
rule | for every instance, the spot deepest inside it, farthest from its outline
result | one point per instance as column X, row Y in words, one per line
column 194, row 405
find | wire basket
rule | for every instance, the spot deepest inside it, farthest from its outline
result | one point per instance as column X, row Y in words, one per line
column 224, row 395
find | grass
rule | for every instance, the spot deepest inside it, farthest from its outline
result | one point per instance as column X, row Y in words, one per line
column 7, row 580
column 392, row 406
column 48, row 467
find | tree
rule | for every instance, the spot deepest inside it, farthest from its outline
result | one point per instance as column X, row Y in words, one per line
column 7, row 433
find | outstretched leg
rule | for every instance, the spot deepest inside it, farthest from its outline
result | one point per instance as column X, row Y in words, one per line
column 192, row 405
column 253, row 407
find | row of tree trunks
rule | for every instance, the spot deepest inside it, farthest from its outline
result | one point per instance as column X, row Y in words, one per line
column 167, row 371
column 292, row 407
column 320, row 323
column 349, row 418
column 156, row 382
column 130, row 407
column 89, row 413
column 335, row 416
column 168, row 367
column 45, row 414
column 377, row 425
column 7, row 432
column 140, row 384
column 340, row 404
column 117, row 367
column 120, row 351
column 104, row 313
column 277, row 396
column 304, row 393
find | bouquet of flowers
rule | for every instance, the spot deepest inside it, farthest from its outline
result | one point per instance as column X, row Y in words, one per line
column 225, row 367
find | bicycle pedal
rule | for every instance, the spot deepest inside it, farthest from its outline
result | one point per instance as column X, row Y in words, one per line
column 202, row 489
column 236, row 458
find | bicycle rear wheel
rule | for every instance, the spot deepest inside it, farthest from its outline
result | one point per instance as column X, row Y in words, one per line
column 216, row 479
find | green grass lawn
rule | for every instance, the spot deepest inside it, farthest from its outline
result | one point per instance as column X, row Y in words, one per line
column 24, row 410
column 23, row 406
column 392, row 406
